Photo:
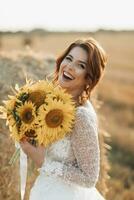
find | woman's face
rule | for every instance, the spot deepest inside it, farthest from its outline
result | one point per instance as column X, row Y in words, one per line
column 73, row 70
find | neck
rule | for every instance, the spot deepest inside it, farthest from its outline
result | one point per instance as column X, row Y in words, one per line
column 76, row 98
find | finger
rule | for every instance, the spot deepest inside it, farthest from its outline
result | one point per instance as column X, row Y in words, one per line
column 23, row 139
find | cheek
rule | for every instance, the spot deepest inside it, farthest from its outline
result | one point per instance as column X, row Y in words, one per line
column 62, row 65
column 80, row 74
column 81, row 79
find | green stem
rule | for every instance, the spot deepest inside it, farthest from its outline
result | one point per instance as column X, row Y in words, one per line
column 14, row 157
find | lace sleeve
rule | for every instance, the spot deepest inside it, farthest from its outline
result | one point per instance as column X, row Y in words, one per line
column 86, row 150
column 84, row 141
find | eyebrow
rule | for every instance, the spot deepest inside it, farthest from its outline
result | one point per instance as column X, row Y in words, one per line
column 78, row 60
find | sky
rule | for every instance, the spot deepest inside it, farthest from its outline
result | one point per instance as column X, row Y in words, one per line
column 65, row 15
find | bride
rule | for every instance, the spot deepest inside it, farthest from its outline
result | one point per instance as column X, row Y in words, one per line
column 69, row 168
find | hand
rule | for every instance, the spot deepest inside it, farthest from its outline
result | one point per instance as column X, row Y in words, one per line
column 26, row 146
column 35, row 153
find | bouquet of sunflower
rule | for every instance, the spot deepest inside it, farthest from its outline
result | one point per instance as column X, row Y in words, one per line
column 40, row 112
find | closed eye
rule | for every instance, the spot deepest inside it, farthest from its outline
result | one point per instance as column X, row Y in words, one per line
column 68, row 58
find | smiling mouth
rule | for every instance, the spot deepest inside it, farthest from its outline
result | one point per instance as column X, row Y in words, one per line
column 67, row 76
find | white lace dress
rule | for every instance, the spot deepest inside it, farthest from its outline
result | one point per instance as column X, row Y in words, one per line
column 71, row 167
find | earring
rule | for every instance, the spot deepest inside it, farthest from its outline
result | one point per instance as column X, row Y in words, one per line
column 84, row 95
column 87, row 87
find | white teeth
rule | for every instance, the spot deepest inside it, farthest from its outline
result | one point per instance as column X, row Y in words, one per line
column 68, row 75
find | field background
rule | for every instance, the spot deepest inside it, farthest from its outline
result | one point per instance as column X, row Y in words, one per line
column 34, row 53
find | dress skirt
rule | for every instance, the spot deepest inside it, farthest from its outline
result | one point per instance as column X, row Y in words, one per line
column 51, row 188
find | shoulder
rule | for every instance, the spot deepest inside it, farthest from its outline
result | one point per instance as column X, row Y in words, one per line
column 86, row 122
column 87, row 113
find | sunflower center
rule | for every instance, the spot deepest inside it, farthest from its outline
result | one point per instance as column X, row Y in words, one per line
column 27, row 116
column 37, row 97
column 54, row 118
column 57, row 97
column 30, row 133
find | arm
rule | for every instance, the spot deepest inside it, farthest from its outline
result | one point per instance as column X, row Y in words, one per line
column 85, row 146
column 35, row 153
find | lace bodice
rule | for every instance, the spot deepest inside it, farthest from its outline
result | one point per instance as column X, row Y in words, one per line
column 75, row 158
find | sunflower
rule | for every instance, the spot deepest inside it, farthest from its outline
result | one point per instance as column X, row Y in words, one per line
column 10, row 120
column 10, row 104
column 38, row 92
column 43, row 85
column 24, row 88
column 27, row 115
column 8, row 110
column 56, row 120
column 34, row 92
column 61, row 95
column 34, row 136
column 3, row 112
column 40, row 112
column 15, row 133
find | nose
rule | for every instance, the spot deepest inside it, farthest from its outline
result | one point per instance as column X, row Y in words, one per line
column 71, row 66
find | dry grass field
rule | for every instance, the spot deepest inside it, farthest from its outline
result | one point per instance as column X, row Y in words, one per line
column 115, row 93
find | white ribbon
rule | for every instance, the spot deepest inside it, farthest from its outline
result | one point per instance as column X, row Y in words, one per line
column 23, row 170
